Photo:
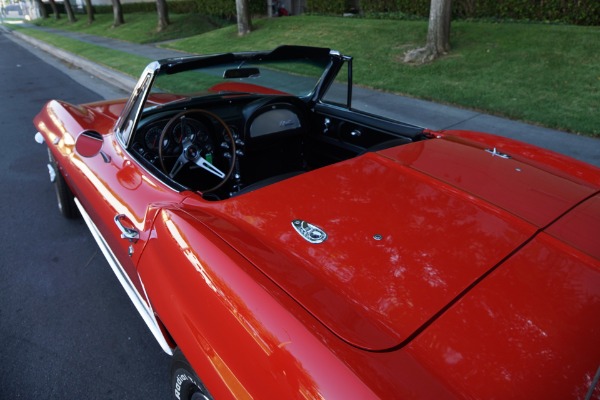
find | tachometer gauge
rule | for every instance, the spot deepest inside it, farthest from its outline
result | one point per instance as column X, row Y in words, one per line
column 152, row 138
column 183, row 131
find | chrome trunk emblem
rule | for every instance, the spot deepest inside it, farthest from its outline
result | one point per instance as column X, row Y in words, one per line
column 495, row 153
column 309, row 232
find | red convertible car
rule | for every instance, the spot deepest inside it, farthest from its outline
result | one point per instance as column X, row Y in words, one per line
column 283, row 244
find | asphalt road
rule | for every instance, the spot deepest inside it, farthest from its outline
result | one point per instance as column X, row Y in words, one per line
column 67, row 328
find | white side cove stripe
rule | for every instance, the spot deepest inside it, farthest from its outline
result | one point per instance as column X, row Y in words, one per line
column 144, row 310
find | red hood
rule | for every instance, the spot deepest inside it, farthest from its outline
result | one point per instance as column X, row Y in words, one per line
column 443, row 221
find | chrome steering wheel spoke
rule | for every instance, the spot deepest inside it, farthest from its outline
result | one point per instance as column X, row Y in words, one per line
column 180, row 163
column 202, row 163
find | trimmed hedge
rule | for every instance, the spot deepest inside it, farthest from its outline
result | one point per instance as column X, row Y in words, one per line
column 577, row 12
column 418, row 8
column 215, row 8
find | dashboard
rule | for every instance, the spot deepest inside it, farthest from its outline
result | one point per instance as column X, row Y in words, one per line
column 224, row 133
column 152, row 139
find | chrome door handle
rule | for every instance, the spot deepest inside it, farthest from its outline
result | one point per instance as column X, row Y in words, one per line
column 126, row 233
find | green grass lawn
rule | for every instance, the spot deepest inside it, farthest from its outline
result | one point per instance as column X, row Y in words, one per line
column 138, row 27
column 538, row 73
column 127, row 63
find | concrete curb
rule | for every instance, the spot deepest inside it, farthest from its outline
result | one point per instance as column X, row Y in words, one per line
column 115, row 78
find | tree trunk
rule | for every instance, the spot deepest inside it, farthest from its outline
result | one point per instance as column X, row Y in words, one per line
column 54, row 9
column 117, row 13
column 90, row 11
column 69, row 10
column 243, row 17
column 42, row 9
column 438, row 34
column 163, row 14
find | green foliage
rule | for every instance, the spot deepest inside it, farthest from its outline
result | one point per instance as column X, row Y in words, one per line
column 215, row 8
column 419, row 8
column 577, row 12
column 127, row 8
column 226, row 8
column 176, row 7
column 327, row 6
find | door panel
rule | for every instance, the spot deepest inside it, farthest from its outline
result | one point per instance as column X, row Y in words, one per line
column 119, row 197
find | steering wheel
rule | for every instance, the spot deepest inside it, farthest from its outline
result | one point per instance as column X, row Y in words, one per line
column 192, row 153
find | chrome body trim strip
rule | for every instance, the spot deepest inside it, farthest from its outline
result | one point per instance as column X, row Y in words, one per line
column 145, row 310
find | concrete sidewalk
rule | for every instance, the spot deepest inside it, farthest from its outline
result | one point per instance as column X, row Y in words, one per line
column 418, row 112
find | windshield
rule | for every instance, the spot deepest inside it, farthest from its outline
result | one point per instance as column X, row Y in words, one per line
column 264, row 74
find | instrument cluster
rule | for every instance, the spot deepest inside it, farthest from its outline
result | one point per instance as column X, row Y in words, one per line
column 187, row 130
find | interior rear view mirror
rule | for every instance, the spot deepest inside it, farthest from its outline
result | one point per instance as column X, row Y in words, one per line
column 241, row 73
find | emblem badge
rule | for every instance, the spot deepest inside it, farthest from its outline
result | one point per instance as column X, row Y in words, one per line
column 309, row 232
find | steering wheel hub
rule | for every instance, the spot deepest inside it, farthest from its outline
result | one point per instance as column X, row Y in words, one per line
column 191, row 152
column 219, row 166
